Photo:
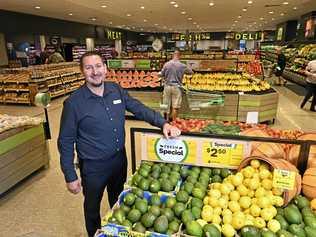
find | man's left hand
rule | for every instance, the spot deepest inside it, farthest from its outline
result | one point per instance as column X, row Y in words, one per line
column 170, row 131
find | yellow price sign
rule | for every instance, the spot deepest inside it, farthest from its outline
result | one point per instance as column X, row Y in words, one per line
column 284, row 179
column 223, row 152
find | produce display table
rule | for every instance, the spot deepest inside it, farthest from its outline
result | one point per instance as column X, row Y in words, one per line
column 23, row 151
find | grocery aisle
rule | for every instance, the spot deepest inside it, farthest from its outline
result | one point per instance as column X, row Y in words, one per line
column 41, row 206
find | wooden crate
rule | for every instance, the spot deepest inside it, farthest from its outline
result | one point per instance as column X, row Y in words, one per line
column 22, row 152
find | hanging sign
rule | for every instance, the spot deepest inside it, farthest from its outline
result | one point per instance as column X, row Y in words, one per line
column 114, row 35
column 248, row 36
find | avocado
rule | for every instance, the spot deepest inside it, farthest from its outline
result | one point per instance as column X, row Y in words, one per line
column 187, row 216
column 166, row 185
column 154, row 186
column 249, row 231
column 134, row 215
column 301, row 202
column 310, row 231
column 292, row 215
column 168, row 213
column 195, row 202
column 129, row 199
column 282, row 221
column 196, row 212
column 211, row 230
column 119, row 215
column 188, row 187
column 193, row 228
column 184, row 172
column 141, row 205
column 155, row 200
column 148, row 219
column 178, row 209
column 310, row 221
column 198, row 193
column 174, row 226
column 143, row 184
column 171, row 201
column 154, row 210
column 138, row 227
column 182, row 196
column 127, row 223
column 284, row 233
column 267, row 233
column 161, row 224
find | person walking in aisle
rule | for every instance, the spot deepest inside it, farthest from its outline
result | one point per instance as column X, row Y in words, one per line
column 310, row 72
column 93, row 120
column 173, row 72
column 281, row 62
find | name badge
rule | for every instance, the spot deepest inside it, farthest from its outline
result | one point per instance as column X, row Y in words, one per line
column 115, row 102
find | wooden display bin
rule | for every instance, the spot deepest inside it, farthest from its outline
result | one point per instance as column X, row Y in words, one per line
column 22, row 151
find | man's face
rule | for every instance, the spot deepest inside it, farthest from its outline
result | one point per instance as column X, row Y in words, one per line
column 94, row 70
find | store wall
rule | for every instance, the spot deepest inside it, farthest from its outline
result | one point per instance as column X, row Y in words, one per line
column 3, row 51
column 206, row 44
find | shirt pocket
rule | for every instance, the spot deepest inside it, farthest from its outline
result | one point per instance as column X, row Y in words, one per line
column 117, row 108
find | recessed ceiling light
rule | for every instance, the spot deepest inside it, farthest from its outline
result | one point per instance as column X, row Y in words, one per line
column 142, row 7
column 176, row 5
column 282, row 14
column 128, row 15
column 104, row 6
column 239, row 16
column 194, row 23
column 70, row 14
column 236, row 21
column 261, row 18
column 165, row 27
column 133, row 27
column 37, row 7
column 244, row 9
column 141, row 29
column 197, row 26
column 183, row 13
column 249, row 2
column 145, row 20
column 294, row 8
column 110, row 22
column 233, row 24
column 272, row 19
column 285, row 3
column 156, row 24
column 271, row 12
column 255, row 23
column 211, row 4
column 93, row 19
column 172, row 2
column 190, row 18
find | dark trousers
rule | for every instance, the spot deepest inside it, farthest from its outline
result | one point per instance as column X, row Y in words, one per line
column 310, row 92
column 96, row 175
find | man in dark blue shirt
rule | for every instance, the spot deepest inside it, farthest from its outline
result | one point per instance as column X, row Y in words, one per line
column 93, row 121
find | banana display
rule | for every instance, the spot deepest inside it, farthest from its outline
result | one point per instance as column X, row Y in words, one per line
column 224, row 82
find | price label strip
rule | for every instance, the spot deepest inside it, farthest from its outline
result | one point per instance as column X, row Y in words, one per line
column 284, row 179
column 223, row 153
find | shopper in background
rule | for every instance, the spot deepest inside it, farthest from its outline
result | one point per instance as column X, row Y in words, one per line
column 281, row 62
column 55, row 57
column 93, row 120
column 310, row 72
column 44, row 55
column 173, row 72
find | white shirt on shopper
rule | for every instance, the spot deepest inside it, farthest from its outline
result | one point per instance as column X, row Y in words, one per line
column 311, row 72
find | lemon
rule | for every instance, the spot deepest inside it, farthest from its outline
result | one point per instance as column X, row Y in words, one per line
column 267, row 184
column 255, row 210
column 253, row 184
column 214, row 193
column 248, row 172
column 226, row 197
column 264, row 202
column 213, row 202
column 216, row 219
column 206, row 200
column 266, row 214
column 201, row 222
column 248, row 222
column 238, row 223
column 239, row 214
column 226, row 212
column 245, row 202
column 237, row 179
column 207, row 215
column 259, row 222
column 234, row 206
column 227, row 219
column 234, row 196
column 222, row 202
column 277, row 201
column 216, row 185
column 247, row 211
column 251, row 193
column 243, row 190
column 246, row 182
column 228, row 230
column 254, row 201
column 264, row 174
column 274, row 225
column 224, row 189
column 230, row 186
column 273, row 210
column 255, row 164
column 249, row 217
column 208, row 208
column 260, row 192
column 217, row 211
column 264, row 166
column 277, row 191
column 256, row 176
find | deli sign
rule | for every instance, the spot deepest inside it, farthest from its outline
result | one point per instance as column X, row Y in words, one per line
column 248, row 36
column 113, row 35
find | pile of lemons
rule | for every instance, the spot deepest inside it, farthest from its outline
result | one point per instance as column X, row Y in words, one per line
column 246, row 198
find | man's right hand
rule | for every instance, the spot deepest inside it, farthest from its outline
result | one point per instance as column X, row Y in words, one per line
column 74, row 187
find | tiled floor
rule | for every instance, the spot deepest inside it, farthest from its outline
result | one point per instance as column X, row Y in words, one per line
column 40, row 206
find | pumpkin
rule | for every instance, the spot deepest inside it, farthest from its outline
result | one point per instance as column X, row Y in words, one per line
column 309, row 183
column 295, row 150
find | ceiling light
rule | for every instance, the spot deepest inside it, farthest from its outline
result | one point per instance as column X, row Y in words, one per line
column 244, row 9
column 37, row 7
column 93, row 19
column 110, row 22
column 141, row 29
column 176, row 5
column 285, row 3
column 194, row 23
column 183, row 13
column 261, row 18
column 236, row 21
column 70, row 14
column 282, row 14
column 294, row 8
column 165, row 27
column 272, row 19
column 145, row 20
column 190, row 18
column 211, row 4
column 142, row 7
column 172, row 2
column 128, row 15
column 249, row 2
column 255, row 23
column 233, row 24
column 156, row 24
column 271, row 12
column 103, row 6
column 239, row 16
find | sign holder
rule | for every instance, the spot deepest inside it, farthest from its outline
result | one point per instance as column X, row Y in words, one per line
column 236, row 139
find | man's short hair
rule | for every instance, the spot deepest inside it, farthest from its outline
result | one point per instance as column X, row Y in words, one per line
column 88, row 54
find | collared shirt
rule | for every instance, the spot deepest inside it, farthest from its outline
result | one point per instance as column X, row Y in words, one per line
column 311, row 67
column 173, row 72
column 95, row 124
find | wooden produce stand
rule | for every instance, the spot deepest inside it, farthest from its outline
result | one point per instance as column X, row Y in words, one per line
column 23, row 151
